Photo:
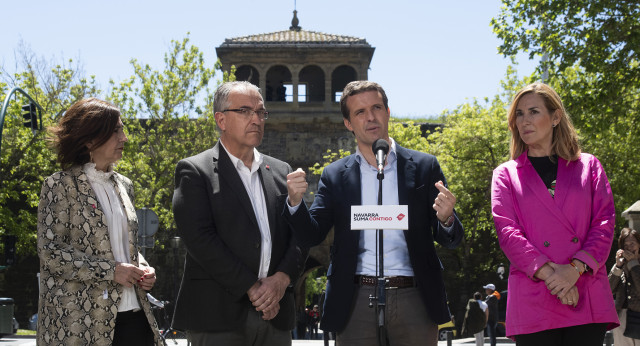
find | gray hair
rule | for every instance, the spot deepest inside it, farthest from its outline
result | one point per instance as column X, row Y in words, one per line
column 221, row 97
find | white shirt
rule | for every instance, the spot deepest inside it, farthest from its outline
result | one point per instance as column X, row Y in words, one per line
column 113, row 210
column 252, row 184
column 483, row 305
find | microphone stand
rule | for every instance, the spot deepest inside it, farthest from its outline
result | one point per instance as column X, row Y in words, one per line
column 380, row 292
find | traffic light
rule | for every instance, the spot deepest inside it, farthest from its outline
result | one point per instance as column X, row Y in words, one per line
column 30, row 116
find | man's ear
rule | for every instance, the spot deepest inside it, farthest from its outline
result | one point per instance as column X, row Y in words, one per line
column 220, row 120
column 347, row 123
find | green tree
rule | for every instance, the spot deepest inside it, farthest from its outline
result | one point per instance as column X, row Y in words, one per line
column 169, row 116
column 593, row 63
column 26, row 159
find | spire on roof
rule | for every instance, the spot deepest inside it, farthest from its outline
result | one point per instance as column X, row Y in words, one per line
column 294, row 22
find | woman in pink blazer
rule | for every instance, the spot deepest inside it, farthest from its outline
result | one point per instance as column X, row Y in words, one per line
column 553, row 210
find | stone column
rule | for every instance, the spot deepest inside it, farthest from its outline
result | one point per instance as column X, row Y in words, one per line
column 632, row 214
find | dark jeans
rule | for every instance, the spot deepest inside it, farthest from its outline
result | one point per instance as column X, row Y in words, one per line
column 132, row 328
column 491, row 332
column 582, row 335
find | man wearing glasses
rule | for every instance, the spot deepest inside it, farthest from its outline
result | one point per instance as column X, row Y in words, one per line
column 241, row 257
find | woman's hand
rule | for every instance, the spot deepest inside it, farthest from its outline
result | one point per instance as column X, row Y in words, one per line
column 628, row 255
column 127, row 274
column 564, row 277
column 620, row 259
column 148, row 279
column 571, row 298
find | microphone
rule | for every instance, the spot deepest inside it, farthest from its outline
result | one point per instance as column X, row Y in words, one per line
column 380, row 149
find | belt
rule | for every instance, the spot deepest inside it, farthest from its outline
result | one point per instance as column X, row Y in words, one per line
column 391, row 281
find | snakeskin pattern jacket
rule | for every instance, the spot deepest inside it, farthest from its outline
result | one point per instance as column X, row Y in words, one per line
column 78, row 295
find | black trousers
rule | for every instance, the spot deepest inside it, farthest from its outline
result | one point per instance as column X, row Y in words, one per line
column 132, row 328
column 582, row 335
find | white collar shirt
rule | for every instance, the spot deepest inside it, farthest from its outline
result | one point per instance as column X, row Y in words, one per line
column 251, row 180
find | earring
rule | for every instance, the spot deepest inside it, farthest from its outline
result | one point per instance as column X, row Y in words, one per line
column 554, row 125
column 91, row 156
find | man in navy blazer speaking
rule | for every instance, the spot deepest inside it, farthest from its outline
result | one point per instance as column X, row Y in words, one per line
column 416, row 301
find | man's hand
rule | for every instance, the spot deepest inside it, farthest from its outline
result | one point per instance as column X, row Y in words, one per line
column 272, row 312
column 148, row 279
column 265, row 294
column 297, row 186
column 127, row 274
column 444, row 203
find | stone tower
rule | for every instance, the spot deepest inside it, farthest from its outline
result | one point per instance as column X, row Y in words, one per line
column 301, row 75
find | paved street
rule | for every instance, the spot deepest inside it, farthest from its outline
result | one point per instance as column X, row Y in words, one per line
column 30, row 341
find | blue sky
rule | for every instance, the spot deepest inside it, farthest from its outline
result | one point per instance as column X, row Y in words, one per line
column 430, row 55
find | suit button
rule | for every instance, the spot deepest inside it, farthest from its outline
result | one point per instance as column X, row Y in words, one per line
column 575, row 239
column 546, row 244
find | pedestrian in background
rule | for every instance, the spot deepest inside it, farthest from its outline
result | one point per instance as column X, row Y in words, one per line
column 492, row 309
column 624, row 279
column 475, row 318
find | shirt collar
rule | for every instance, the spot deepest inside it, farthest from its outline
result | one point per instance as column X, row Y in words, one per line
column 391, row 156
column 238, row 164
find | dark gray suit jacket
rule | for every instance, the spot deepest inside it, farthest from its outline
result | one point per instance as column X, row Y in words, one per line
column 338, row 190
column 217, row 223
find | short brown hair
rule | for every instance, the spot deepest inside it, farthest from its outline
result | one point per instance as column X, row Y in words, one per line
column 565, row 138
column 357, row 87
column 87, row 120
column 625, row 233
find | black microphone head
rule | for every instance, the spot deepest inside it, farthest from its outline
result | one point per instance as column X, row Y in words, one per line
column 380, row 144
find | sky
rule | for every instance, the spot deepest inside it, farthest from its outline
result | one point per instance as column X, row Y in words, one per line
column 429, row 55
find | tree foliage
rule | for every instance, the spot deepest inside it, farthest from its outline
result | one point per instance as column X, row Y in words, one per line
column 602, row 36
column 593, row 63
column 25, row 158
column 169, row 116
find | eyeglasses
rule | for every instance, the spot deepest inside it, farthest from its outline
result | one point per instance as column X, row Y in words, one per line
column 248, row 113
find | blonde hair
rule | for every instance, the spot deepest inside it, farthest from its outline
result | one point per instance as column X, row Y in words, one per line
column 564, row 142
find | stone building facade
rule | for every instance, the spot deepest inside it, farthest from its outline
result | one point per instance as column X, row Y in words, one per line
column 301, row 75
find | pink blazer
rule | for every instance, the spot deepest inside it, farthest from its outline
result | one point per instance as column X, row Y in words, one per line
column 535, row 228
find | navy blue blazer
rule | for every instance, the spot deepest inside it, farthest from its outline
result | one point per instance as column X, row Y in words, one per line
column 338, row 190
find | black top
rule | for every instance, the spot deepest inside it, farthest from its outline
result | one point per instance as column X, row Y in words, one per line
column 547, row 170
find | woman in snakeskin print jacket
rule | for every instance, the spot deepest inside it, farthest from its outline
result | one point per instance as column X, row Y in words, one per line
column 93, row 279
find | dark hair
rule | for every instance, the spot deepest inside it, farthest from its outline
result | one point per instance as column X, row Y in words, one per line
column 477, row 295
column 357, row 87
column 625, row 233
column 87, row 120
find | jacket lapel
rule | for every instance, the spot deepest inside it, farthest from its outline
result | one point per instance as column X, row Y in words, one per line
column 132, row 217
column 352, row 181
column 270, row 195
column 406, row 174
column 531, row 182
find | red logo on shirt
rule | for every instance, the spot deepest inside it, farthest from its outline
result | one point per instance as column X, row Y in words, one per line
column 400, row 216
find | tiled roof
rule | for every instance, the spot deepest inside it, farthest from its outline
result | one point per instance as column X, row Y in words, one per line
column 296, row 37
